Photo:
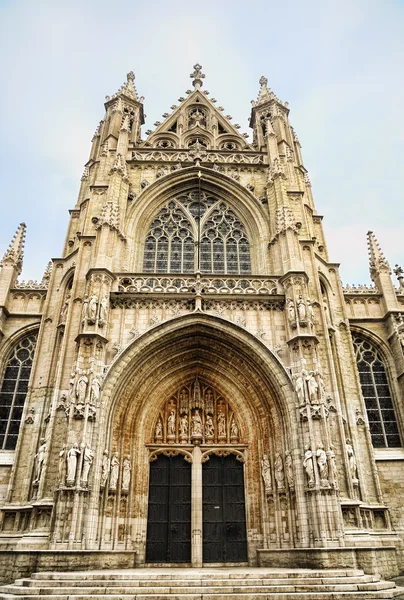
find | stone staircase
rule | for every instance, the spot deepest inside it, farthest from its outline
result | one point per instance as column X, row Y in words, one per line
column 242, row 583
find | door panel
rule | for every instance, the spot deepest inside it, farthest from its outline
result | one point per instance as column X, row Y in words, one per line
column 224, row 527
column 169, row 516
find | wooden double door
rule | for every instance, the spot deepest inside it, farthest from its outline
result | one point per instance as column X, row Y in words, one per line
column 170, row 511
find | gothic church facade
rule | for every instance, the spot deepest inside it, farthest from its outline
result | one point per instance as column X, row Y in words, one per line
column 190, row 383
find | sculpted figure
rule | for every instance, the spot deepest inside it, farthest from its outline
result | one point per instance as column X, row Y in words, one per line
column 209, row 402
column 301, row 309
column 40, row 458
column 81, row 389
column 103, row 308
column 71, row 459
column 266, row 473
column 65, row 308
column 95, row 390
column 114, row 471
column 308, row 465
column 299, row 386
column 88, row 457
column 184, row 426
column 322, row 464
column 333, row 466
column 126, row 469
column 289, row 470
column 183, row 400
column 158, row 434
column 353, row 465
column 312, row 386
column 92, row 307
column 209, row 427
column 171, row 424
column 234, row 429
column 61, row 465
column 310, row 311
column 84, row 308
column 106, row 465
column 196, row 423
column 291, row 311
column 221, row 424
column 279, row 472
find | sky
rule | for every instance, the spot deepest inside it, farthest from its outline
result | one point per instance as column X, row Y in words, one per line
column 339, row 65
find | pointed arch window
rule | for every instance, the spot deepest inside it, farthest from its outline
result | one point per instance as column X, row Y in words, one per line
column 170, row 245
column 377, row 395
column 14, row 389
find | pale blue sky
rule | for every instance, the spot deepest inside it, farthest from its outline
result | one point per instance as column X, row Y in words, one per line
column 339, row 65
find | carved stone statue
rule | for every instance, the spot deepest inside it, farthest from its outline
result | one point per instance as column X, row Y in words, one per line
column 84, row 308
column 310, row 312
column 326, row 311
column 88, row 456
column 196, row 424
column 81, row 389
column 106, row 465
column 171, row 424
column 234, row 433
column 71, row 460
column 291, row 311
column 158, row 433
column 312, row 387
column 183, row 401
column 40, row 459
column 321, row 384
column 64, row 310
column 353, row 465
column 308, row 465
column 126, row 469
column 279, row 472
column 184, row 426
column 301, row 309
column 209, row 427
column 61, row 465
column 92, row 307
column 113, row 480
column 221, row 424
column 103, row 308
column 333, row 473
column 290, row 478
column 209, row 402
column 299, row 386
column 322, row 465
column 266, row 473
column 95, row 390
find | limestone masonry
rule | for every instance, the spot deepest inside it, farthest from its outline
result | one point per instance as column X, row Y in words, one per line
column 190, row 383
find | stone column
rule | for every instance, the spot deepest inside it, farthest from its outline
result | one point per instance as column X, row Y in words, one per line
column 196, row 502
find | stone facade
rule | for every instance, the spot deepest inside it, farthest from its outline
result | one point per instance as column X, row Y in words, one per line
column 194, row 311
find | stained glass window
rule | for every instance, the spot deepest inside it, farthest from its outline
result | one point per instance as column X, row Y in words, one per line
column 14, row 390
column 377, row 395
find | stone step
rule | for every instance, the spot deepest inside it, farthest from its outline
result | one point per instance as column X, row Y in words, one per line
column 363, row 595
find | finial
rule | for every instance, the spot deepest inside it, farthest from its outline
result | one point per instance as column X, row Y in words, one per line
column 377, row 260
column 197, row 76
column 399, row 273
column 263, row 81
column 47, row 274
column 15, row 252
column 130, row 77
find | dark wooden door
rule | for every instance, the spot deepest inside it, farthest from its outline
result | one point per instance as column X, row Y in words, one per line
column 224, row 526
column 169, row 515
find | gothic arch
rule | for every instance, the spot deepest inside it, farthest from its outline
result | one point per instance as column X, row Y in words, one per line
column 13, row 340
column 244, row 204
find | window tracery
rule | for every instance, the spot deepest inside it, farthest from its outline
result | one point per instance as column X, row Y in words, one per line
column 377, row 395
column 14, row 390
column 170, row 242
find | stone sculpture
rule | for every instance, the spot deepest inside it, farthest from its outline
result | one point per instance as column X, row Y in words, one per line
column 40, row 459
column 71, row 459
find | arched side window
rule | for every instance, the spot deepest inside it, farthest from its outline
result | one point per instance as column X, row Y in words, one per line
column 377, row 395
column 170, row 242
column 14, row 390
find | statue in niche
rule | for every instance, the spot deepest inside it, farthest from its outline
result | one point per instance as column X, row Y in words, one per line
column 103, row 309
column 322, row 465
column 209, row 427
column 266, row 473
column 64, row 310
column 308, row 465
column 301, row 309
column 279, row 472
column 158, row 432
column 61, row 465
column 333, row 467
column 81, row 389
column 197, row 399
column 196, row 424
column 299, row 386
column 84, row 308
column 234, row 433
column 88, row 457
column 221, row 424
column 126, row 470
column 353, row 465
column 92, row 308
column 209, row 402
column 184, row 426
column 320, row 383
column 291, row 311
column 71, row 460
column 106, row 465
column 183, row 401
column 113, row 481
column 310, row 312
column 290, row 478
column 40, row 459
column 312, row 387
column 326, row 311
column 95, row 391
column 171, row 424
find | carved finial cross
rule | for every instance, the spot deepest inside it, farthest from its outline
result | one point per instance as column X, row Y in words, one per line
column 197, row 76
column 130, row 76
column 263, row 81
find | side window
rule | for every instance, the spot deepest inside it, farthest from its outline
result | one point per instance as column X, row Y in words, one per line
column 14, row 389
column 377, row 395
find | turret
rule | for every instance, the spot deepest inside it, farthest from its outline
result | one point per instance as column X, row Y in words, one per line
column 380, row 273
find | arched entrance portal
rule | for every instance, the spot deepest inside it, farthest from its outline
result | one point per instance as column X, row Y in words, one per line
column 200, row 406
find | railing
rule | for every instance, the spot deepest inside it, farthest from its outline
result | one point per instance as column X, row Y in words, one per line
column 191, row 284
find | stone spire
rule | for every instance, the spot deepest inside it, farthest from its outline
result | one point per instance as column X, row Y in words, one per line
column 15, row 253
column 197, row 76
column 265, row 94
column 47, row 274
column 377, row 260
column 127, row 89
